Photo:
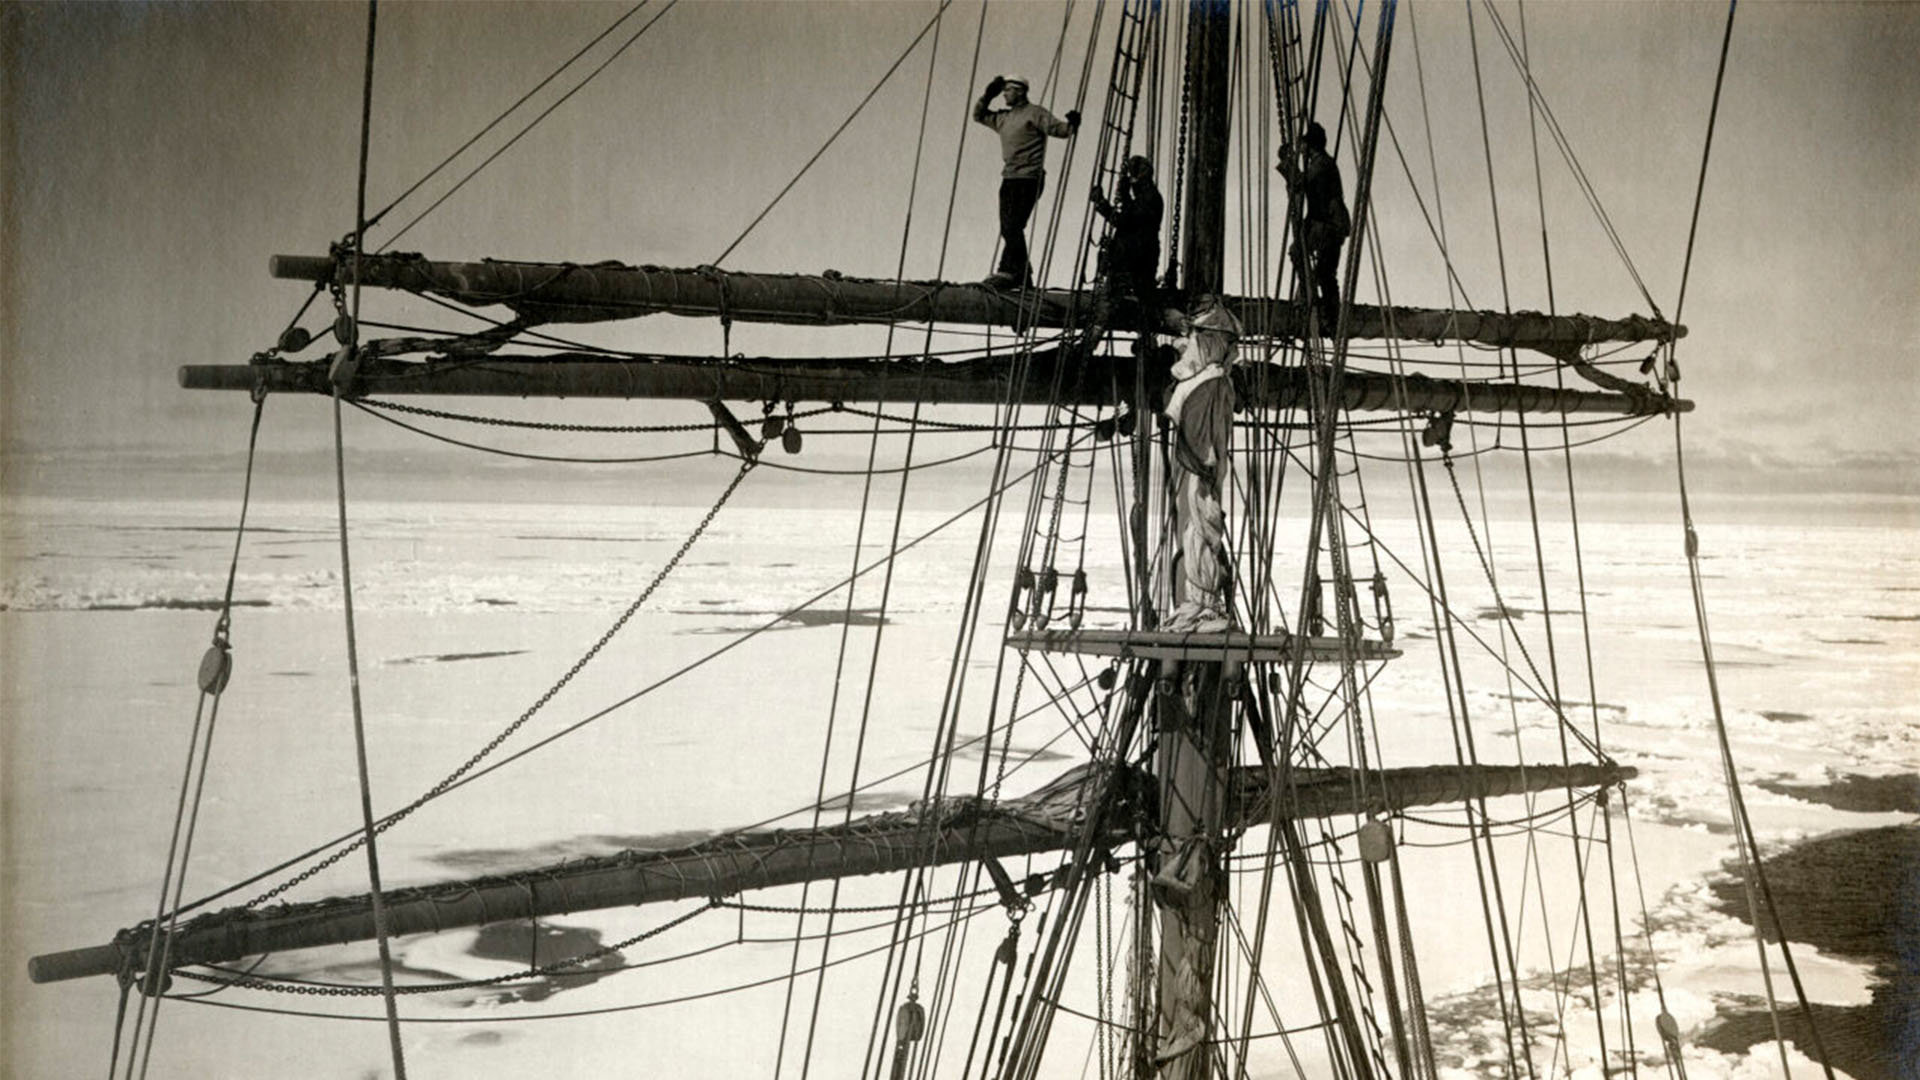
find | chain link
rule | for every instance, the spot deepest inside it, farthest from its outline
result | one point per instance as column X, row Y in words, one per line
column 1179, row 180
column 746, row 466
column 647, row 429
column 537, row 425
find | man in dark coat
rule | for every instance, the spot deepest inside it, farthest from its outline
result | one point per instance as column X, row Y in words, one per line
column 1316, row 253
column 1023, row 128
column 1133, row 251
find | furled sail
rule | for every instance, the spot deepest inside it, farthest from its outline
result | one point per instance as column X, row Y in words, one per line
column 954, row 830
column 572, row 292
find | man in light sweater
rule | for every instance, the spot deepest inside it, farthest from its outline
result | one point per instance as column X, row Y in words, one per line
column 1023, row 128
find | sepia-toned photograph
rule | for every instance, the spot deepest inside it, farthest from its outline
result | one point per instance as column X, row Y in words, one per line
column 970, row 539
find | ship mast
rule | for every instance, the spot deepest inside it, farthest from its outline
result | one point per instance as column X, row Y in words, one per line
column 1203, row 797
column 1195, row 721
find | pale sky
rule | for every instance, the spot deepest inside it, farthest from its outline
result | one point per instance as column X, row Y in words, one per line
column 157, row 154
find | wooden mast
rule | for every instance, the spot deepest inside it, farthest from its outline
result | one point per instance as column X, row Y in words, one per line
column 1192, row 713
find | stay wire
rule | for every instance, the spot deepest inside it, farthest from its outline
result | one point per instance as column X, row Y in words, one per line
column 844, row 124
column 1754, row 871
column 544, row 113
column 1546, row 258
column 212, row 684
column 603, row 712
column 508, row 111
column 886, row 588
column 346, row 576
column 454, row 779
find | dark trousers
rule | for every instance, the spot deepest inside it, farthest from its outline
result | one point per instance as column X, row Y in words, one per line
column 1128, row 264
column 1018, row 194
column 1322, row 249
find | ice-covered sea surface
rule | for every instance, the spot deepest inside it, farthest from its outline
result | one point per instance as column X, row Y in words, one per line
column 468, row 613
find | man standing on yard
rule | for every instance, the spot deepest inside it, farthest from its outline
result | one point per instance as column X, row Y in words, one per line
column 1316, row 179
column 1023, row 128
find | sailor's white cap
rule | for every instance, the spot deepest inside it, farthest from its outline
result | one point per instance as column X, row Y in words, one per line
column 1025, row 83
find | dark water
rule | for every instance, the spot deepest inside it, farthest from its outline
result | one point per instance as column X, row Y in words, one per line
column 535, row 945
column 448, row 658
column 177, row 604
column 1852, row 894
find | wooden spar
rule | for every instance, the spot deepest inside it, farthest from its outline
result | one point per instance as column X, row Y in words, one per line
column 1103, row 380
column 567, row 292
column 1037, row 823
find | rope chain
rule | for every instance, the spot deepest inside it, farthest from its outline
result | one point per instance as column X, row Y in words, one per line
column 535, row 972
column 667, row 429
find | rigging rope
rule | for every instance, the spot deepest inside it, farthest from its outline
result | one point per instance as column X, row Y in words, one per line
column 535, row 971
column 648, row 429
column 1506, row 625
column 346, row 572
column 1565, row 146
column 453, row 778
column 886, row 587
column 1291, row 73
column 1546, row 254
column 544, row 113
column 972, row 608
column 508, row 111
column 676, row 456
column 500, row 1018
column 215, row 669
column 1753, row 870
column 681, row 671
column 844, row 124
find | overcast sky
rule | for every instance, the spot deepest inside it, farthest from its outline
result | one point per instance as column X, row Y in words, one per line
column 157, row 154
